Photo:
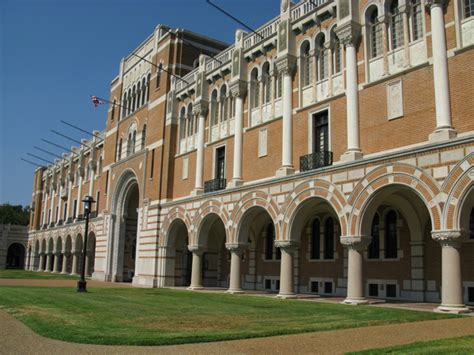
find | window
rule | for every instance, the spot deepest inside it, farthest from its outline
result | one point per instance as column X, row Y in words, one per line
column 279, row 85
column 329, row 239
column 144, row 91
column 314, row 286
column 391, row 290
column 305, row 64
column 375, row 34
column 124, row 107
column 56, row 214
column 267, row 84
column 321, row 132
column 97, row 203
column 214, row 108
column 139, row 95
column 134, row 98
column 119, row 150
column 107, row 182
column 416, row 20
column 148, row 88
column 143, row 137
column 468, row 8
column 373, row 290
column 269, row 242
column 182, row 124
column 74, row 209
column 471, row 224
column 254, row 89
column 220, row 163
column 337, row 54
column 328, row 287
column 391, row 235
column 268, row 284
column 315, row 239
column 158, row 75
column 65, row 211
column 374, row 247
column 129, row 102
column 396, row 25
column 322, row 57
column 112, row 115
column 470, row 294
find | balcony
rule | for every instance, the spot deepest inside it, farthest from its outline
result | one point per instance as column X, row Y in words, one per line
column 315, row 160
column 70, row 220
column 214, row 185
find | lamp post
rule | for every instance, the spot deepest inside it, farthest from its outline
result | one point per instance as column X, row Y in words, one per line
column 82, row 284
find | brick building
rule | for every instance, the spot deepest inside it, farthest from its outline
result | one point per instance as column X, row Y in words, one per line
column 329, row 153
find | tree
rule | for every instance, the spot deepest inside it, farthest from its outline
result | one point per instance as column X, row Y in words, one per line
column 17, row 215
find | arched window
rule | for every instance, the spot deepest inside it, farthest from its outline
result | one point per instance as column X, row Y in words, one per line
column 148, row 88
column 214, row 108
column 143, row 136
column 396, row 25
column 124, row 105
column 139, row 95
column 190, row 120
column 224, row 114
column 315, row 239
column 129, row 144
column 468, row 8
column 329, row 239
column 279, row 84
column 416, row 20
column 375, row 33
column 267, row 83
column 134, row 140
column 391, row 238
column 119, row 150
column 158, row 75
column 336, row 54
column 269, row 241
column 129, row 102
column 134, row 98
column 471, row 224
column 182, row 123
column 112, row 115
column 254, row 89
column 144, row 91
column 374, row 246
column 305, row 64
column 322, row 57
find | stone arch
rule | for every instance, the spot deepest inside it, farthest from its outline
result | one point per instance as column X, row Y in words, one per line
column 58, row 244
column 16, row 253
column 126, row 180
column 459, row 191
column 174, row 214
column 249, row 201
column 391, row 175
column 211, row 207
column 312, row 189
column 77, row 243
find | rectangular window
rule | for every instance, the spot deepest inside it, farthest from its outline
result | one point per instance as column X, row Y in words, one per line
column 152, row 167
column 468, row 8
column 373, row 290
column 220, row 164
column 56, row 214
column 391, row 290
column 470, row 294
column 97, row 202
column 314, row 286
column 268, row 284
column 417, row 20
column 74, row 210
column 65, row 211
column 107, row 182
column 328, row 287
column 278, row 285
column 321, row 132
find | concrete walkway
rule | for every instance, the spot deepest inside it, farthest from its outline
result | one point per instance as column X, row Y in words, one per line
column 16, row 338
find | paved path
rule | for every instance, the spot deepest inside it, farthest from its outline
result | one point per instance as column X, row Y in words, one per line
column 16, row 338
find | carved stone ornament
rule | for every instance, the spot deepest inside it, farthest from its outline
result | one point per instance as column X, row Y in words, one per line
column 284, row 5
column 286, row 64
column 200, row 107
column 433, row 3
column 239, row 36
column 237, row 248
column 449, row 237
column 196, row 249
column 238, row 88
column 349, row 34
column 287, row 245
column 356, row 242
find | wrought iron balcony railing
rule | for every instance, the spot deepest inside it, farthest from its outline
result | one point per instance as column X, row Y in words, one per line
column 315, row 160
column 215, row 185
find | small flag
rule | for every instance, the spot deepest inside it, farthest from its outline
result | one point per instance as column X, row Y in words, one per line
column 96, row 101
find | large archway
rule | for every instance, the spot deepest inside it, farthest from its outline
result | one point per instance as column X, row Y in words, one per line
column 179, row 258
column 466, row 225
column 16, row 256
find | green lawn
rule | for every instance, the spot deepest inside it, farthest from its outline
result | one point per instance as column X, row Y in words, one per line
column 461, row 345
column 23, row 274
column 162, row 316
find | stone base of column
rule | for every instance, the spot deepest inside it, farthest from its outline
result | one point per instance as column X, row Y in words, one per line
column 234, row 292
column 285, row 171
column 442, row 134
column 461, row 309
column 197, row 192
column 73, row 274
column 64, row 273
column 355, row 302
column 235, row 183
column 351, row 155
column 195, row 288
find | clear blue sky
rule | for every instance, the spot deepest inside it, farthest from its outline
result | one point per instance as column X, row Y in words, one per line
column 55, row 53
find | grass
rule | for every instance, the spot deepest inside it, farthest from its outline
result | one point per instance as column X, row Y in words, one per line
column 161, row 316
column 461, row 345
column 24, row 274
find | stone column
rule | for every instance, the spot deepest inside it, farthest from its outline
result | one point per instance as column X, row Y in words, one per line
column 451, row 281
column 56, row 263
column 236, row 252
column 287, row 248
column 75, row 262
column 355, row 278
column 405, row 9
column 444, row 129
column 287, row 65
column 48, row 262
column 196, row 272
column 349, row 36
column 238, row 91
column 65, row 260
column 200, row 109
column 41, row 262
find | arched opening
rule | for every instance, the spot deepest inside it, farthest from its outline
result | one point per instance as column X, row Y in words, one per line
column 320, row 262
column 402, row 261
column 215, row 259
column 260, row 266
column 36, row 260
column 179, row 258
column 128, row 252
column 50, row 255
column 466, row 224
column 90, row 255
column 16, row 256
column 67, row 257
column 77, row 255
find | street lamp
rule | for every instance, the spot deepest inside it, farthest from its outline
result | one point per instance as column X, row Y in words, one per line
column 82, row 284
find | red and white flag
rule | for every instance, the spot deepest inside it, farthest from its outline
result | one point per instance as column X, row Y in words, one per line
column 96, row 101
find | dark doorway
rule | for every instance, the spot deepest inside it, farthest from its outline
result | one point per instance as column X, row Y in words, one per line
column 16, row 256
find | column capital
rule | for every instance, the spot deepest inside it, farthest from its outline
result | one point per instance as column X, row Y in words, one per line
column 356, row 242
column 286, row 64
column 238, row 88
column 237, row 248
column 200, row 107
column 452, row 238
column 349, row 34
column 287, row 245
column 196, row 249
column 435, row 3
